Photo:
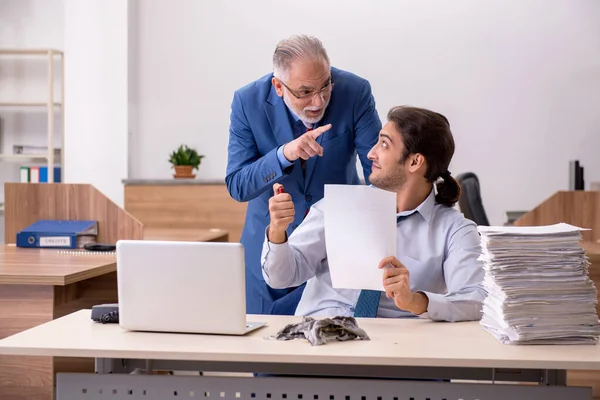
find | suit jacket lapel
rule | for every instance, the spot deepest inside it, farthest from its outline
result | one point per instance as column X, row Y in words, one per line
column 278, row 118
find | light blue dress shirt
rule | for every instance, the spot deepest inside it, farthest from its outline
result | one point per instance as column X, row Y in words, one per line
column 298, row 128
column 438, row 246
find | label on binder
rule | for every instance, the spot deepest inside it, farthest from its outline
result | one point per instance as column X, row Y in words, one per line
column 55, row 241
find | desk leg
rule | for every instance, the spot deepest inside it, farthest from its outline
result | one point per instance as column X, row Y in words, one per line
column 121, row 366
column 109, row 366
column 78, row 296
column 554, row 377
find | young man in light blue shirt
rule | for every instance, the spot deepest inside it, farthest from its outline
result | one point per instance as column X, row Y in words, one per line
column 435, row 273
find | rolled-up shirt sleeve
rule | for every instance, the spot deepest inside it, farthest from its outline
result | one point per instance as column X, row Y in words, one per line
column 463, row 273
column 295, row 261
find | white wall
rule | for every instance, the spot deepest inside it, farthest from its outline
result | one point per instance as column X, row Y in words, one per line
column 26, row 24
column 94, row 36
column 519, row 80
column 31, row 23
column 96, row 114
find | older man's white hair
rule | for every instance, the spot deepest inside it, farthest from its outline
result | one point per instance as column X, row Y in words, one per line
column 295, row 48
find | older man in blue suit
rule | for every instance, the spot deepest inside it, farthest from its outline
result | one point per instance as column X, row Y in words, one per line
column 302, row 126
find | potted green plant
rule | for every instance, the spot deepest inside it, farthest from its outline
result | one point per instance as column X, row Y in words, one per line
column 184, row 161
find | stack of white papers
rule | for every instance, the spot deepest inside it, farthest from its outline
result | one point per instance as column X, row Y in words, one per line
column 539, row 291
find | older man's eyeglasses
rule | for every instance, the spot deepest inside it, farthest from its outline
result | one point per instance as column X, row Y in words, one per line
column 309, row 94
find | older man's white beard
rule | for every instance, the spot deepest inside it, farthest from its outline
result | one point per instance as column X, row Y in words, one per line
column 302, row 113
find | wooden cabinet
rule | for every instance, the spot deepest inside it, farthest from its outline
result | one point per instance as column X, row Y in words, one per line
column 185, row 204
column 579, row 208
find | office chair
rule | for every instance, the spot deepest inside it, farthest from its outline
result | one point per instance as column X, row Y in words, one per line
column 470, row 199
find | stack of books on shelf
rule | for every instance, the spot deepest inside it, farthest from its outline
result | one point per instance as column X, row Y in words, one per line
column 38, row 174
column 539, row 290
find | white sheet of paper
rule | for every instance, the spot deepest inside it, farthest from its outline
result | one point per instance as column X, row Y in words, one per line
column 360, row 231
column 531, row 230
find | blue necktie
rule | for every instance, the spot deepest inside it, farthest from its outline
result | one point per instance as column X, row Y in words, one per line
column 299, row 129
column 367, row 304
column 368, row 301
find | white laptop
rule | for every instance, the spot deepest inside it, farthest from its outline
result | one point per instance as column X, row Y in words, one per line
column 186, row 287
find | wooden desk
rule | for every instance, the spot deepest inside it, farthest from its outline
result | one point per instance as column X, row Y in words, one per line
column 592, row 251
column 51, row 267
column 186, row 234
column 398, row 347
column 37, row 286
column 394, row 342
column 590, row 378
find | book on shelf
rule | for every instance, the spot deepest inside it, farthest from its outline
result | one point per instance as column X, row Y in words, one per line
column 38, row 174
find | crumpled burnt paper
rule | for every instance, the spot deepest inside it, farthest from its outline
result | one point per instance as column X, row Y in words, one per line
column 321, row 331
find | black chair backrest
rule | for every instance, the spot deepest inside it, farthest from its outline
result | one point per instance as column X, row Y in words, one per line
column 470, row 199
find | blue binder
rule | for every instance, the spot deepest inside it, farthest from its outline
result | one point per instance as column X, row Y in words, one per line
column 44, row 174
column 58, row 234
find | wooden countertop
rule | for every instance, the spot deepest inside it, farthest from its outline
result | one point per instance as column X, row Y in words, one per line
column 185, row 234
column 394, row 342
column 172, row 182
column 51, row 267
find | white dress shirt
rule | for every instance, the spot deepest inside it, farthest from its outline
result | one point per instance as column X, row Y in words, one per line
column 438, row 246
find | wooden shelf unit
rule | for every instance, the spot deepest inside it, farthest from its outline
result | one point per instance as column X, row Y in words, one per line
column 52, row 105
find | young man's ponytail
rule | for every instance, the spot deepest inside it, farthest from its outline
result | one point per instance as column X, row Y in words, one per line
column 448, row 190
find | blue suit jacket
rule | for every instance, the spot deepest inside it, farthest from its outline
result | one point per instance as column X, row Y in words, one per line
column 260, row 123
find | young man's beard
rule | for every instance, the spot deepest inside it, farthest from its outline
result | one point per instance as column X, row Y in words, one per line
column 390, row 182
